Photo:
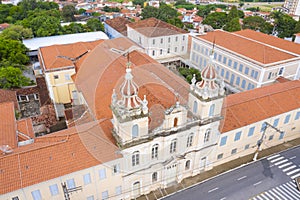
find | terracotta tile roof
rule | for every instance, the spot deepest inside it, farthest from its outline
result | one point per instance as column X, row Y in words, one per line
column 270, row 40
column 281, row 79
column 153, row 27
column 119, row 24
column 4, row 26
column 249, row 48
column 297, row 34
column 8, row 133
column 8, row 96
column 48, row 55
column 248, row 107
column 25, row 126
column 154, row 80
column 57, row 154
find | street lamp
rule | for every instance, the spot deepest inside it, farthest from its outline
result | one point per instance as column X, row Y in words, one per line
column 260, row 141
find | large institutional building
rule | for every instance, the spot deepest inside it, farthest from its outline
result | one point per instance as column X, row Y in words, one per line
column 292, row 6
column 143, row 128
column 247, row 59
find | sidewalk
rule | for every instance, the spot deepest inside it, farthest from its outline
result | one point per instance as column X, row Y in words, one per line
column 218, row 170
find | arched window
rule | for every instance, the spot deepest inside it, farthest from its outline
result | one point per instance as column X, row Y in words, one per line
column 211, row 110
column 173, row 146
column 154, row 177
column 135, row 131
column 189, row 141
column 187, row 165
column 175, row 121
column 135, row 159
column 207, row 135
column 195, row 107
column 154, row 151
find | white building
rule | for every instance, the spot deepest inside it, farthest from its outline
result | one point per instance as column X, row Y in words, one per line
column 292, row 6
column 148, row 129
column 159, row 39
column 247, row 59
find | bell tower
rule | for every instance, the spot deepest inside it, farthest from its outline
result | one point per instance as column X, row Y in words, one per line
column 130, row 113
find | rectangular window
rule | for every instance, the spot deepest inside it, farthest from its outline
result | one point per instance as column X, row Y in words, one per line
column 56, row 76
column 220, row 156
column 215, row 56
column 224, row 60
column 227, row 75
column 71, row 183
column 222, row 72
column 275, row 124
column 270, row 74
column 220, row 58
column 247, row 70
column 241, row 68
column 67, row 77
column 237, row 82
column 175, row 49
column 90, row 198
column 251, row 131
column 116, row 169
column 176, row 38
column 252, row 73
column 169, row 40
column 223, row 141
column 233, row 151
column 118, row 190
column 53, row 189
column 235, row 65
column 87, row 179
column 247, row 146
column 153, row 41
column 182, row 48
column 168, row 50
column 183, row 37
column 36, row 195
column 281, row 135
column 153, row 53
column 237, row 136
column 297, row 115
column 263, row 126
column 249, row 86
column 102, row 174
column 271, row 137
column 161, row 40
column 287, row 119
column 256, row 74
column 280, row 72
column 229, row 62
column 105, row 195
column 243, row 84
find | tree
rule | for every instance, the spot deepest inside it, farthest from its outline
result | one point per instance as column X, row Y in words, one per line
column 233, row 13
column 257, row 23
column 203, row 11
column 188, row 74
column 74, row 28
column 216, row 20
column 150, row 11
column 12, row 52
column 297, row 27
column 164, row 12
column 284, row 25
column 176, row 22
column 17, row 32
column 68, row 13
column 81, row 11
column 233, row 25
column 11, row 77
column 95, row 25
column 139, row 2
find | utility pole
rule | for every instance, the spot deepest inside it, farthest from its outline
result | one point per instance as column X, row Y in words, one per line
column 68, row 191
column 260, row 141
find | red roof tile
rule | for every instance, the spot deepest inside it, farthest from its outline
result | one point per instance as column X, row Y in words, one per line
column 8, row 133
column 119, row 24
column 25, row 126
column 258, row 51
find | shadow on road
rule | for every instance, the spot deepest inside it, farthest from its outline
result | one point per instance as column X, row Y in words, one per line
column 267, row 170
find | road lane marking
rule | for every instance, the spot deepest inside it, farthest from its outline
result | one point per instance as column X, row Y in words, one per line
column 223, row 198
column 276, row 159
column 284, row 165
column 255, row 184
column 295, row 176
column 292, row 172
column 273, row 156
column 241, row 178
column 280, row 162
column 291, row 158
column 289, row 168
column 213, row 190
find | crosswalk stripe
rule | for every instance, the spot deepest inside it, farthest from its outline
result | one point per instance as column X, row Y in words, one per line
column 264, row 196
column 292, row 172
column 289, row 191
column 272, row 193
column 282, row 161
column 276, row 159
column 289, row 168
column 259, row 198
column 269, row 195
column 270, row 158
column 284, row 165
column 279, row 194
column 293, row 177
column 283, row 193
column 292, row 186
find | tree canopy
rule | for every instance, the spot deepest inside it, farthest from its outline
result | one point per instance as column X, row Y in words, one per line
column 257, row 23
column 11, row 77
column 12, row 52
column 68, row 13
column 216, row 20
column 16, row 32
column 94, row 25
column 284, row 25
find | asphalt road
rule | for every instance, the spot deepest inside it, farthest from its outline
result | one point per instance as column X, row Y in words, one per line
column 250, row 181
